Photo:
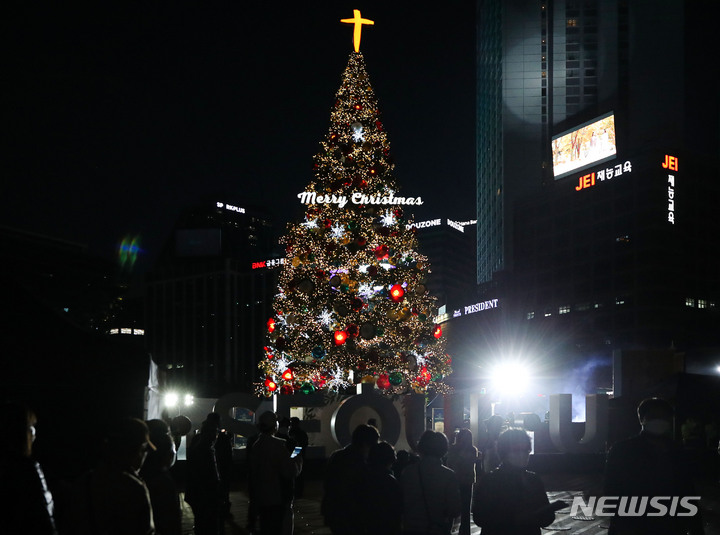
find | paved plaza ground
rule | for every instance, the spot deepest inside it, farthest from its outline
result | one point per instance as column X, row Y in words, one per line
column 309, row 521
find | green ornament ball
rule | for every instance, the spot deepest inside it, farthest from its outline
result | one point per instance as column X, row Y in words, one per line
column 395, row 378
column 307, row 388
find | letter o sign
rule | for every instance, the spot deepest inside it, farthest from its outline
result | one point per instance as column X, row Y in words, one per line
column 389, row 418
column 237, row 399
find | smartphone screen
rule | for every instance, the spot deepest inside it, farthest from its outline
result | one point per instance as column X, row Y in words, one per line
column 296, row 452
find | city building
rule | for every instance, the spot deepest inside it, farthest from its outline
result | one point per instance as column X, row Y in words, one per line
column 450, row 248
column 209, row 296
column 597, row 168
column 60, row 302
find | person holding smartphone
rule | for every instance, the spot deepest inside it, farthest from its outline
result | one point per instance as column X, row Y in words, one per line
column 272, row 467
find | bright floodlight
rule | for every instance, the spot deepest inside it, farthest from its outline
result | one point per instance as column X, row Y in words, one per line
column 189, row 399
column 510, row 378
column 171, row 399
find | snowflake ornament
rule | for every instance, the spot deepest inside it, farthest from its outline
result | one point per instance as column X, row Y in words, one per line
column 337, row 231
column 325, row 318
column 388, row 220
column 358, row 134
column 311, row 223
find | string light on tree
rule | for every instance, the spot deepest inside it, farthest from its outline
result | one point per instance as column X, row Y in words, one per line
column 353, row 281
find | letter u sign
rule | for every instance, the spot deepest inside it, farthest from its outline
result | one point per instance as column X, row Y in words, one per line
column 596, row 423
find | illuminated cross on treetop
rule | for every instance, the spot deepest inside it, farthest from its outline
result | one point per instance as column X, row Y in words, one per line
column 358, row 21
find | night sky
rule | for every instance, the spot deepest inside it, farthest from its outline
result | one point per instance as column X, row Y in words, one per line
column 118, row 114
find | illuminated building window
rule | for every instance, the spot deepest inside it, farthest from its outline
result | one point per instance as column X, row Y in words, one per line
column 702, row 303
column 548, row 314
column 711, row 304
column 564, row 310
column 571, row 23
column 689, row 302
column 619, row 300
column 530, row 315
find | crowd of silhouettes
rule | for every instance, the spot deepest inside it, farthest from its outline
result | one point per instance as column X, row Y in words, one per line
column 369, row 488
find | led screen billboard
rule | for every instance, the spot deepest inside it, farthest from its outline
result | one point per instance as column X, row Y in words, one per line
column 589, row 143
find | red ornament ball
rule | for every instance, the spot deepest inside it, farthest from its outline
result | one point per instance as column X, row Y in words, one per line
column 270, row 384
column 340, row 337
column 397, row 293
column 288, row 375
column 382, row 252
column 352, row 330
column 383, row 382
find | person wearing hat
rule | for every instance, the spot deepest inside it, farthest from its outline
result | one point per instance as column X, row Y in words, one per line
column 271, row 471
column 112, row 498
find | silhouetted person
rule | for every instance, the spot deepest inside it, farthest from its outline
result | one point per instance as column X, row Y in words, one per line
column 112, row 499
column 510, row 500
column 155, row 472
column 343, row 502
column 461, row 459
column 403, row 458
column 223, row 457
column 26, row 505
column 300, row 438
column 203, row 481
column 494, row 426
column 382, row 492
column 650, row 465
column 431, row 496
column 271, row 472
column 252, row 515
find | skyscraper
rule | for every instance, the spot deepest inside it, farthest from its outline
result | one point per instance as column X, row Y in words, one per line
column 209, row 296
column 597, row 165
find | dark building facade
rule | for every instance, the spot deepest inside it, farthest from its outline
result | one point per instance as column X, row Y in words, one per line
column 450, row 248
column 209, row 296
column 608, row 253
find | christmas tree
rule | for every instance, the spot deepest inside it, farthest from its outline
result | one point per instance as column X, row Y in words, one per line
column 353, row 303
